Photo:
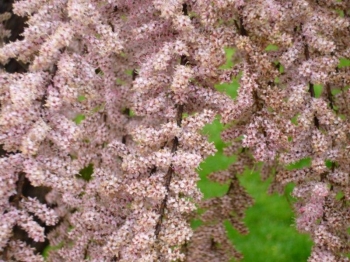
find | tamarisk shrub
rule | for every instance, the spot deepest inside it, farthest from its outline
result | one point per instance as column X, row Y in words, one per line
column 109, row 111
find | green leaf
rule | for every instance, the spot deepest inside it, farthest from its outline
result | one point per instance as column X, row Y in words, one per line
column 86, row 172
column 329, row 163
column 196, row 223
column 271, row 48
column 281, row 69
column 229, row 52
column 318, row 90
column 79, row 118
column 132, row 113
column 81, row 98
column 119, row 81
column 302, row 163
column 343, row 62
column 342, row 117
column 48, row 248
column 340, row 12
column 339, row 195
column 129, row 72
column 294, row 119
column 335, row 91
column 229, row 88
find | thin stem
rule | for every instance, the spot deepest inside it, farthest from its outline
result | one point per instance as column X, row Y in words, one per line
column 175, row 142
column 169, row 173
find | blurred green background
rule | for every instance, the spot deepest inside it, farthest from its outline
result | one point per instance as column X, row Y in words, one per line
column 272, row 236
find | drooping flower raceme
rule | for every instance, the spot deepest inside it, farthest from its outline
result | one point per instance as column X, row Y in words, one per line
column 105, row 119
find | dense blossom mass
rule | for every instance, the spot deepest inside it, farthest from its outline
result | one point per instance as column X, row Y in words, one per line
column 102, row 107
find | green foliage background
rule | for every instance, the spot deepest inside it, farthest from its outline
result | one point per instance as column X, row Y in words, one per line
column 272, row 236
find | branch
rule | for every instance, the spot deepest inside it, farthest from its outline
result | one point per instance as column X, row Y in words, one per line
column 170, row 173
column 175, row 142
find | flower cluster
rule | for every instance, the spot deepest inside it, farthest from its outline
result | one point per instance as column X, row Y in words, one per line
column 100, row 128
